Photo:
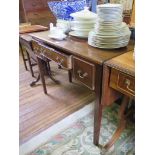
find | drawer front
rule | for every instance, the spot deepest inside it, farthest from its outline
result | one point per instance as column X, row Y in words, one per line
column 122, row 82
column 84, row 72
column 44, row 51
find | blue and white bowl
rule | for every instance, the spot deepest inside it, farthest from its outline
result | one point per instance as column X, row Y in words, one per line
column 63, row 9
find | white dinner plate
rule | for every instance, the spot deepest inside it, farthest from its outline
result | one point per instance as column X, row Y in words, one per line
column 75, row 34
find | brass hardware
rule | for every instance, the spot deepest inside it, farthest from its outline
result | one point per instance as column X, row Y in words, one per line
column 80, row 75
column 127, row 82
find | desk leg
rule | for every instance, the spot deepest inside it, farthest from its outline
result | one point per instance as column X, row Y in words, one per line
column 40, row 66
column 122, row 123
column 70, row 76
column 98, row 106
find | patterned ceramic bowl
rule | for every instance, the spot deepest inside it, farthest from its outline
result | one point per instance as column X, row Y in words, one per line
column 63, row 9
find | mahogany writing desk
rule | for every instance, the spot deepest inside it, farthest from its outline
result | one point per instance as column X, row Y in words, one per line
column 118, row 79
column 85, row 62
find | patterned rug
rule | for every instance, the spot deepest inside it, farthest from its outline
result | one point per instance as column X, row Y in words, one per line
column 78, row 138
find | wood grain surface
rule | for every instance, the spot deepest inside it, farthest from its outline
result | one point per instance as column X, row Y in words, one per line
column 39, row 111
column 124, row 63
column 80, row 47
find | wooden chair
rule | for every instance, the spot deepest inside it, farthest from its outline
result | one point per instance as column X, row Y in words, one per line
column 25, row 48
column 26, row 41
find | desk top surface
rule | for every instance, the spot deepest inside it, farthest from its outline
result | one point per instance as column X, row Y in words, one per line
column 124, row 62
column 80, row 47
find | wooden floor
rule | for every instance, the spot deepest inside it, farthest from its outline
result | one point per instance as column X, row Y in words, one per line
column 39, row 111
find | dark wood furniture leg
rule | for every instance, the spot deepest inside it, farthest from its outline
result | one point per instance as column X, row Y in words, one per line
column 34, row 82
column 69, row 73
column 98, row 106
column 23, row 56
column 30, row 64
column 108, row 96
column 70, row 76
column 122, row 123
column 41, row 71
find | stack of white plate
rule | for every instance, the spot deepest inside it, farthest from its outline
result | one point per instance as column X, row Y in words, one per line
column 83, row 23
column 110, row 12
column 109, row 30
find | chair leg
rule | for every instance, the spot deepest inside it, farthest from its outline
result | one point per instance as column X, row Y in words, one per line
column 34, row 82
column 23, row 56
column 30, row 64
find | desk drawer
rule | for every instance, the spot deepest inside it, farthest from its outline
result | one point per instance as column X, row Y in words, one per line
column 122, row 82
column 84, row 72
column 44, row 51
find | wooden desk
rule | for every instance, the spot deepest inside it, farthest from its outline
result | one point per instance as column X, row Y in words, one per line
column 118, row 79
column 86, row 62
column 122, row 76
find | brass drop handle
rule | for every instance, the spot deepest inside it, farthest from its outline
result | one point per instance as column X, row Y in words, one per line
column 82, row 75
column 127, row 82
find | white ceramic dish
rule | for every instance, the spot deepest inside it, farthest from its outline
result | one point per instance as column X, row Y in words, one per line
column 63, row 25
column 57, row 37
column 75, row 34
column 82, row 26
column 84, row 15
column 109, row 5
column 81, row 29
column 84, row 22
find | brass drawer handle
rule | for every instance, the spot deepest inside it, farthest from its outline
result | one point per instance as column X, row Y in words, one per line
column 82, row 75
column 127, row 82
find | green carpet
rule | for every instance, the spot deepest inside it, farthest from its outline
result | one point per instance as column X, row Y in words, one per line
column 77, row 139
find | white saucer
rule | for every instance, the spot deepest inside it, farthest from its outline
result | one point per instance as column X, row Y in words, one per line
column 74, row 34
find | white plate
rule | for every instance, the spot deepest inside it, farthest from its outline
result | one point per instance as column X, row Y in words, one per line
column 109, row 5
column 81, row 29
column 85, row 22
column 74, row 34
column 82, row 25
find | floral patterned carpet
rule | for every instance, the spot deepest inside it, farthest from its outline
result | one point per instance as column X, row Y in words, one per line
column 78, row 138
